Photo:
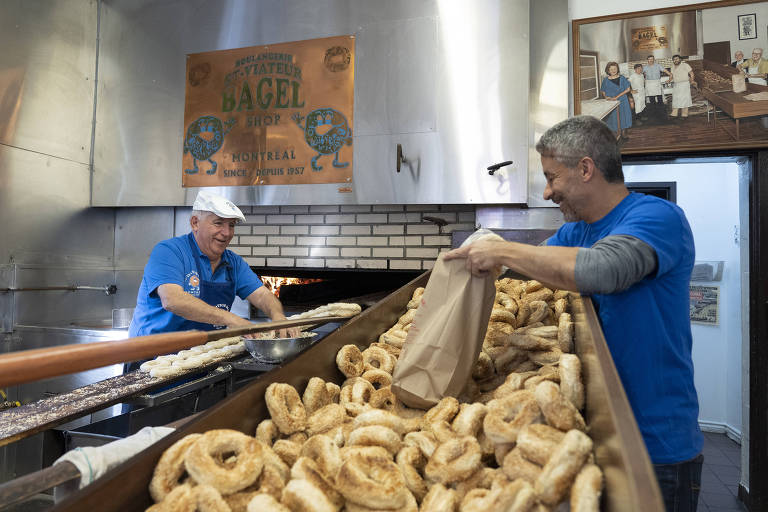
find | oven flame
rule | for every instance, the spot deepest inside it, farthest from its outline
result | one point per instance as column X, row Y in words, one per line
column 273, row 284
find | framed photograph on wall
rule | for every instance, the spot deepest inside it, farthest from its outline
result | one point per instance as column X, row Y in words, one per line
column 747, row 26
column 663, row 79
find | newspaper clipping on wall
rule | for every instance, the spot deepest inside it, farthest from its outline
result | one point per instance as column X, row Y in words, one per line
column 705, row 304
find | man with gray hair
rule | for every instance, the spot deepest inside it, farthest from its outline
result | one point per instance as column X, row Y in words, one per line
column 756, row 68
column 739, row 58
column 633, row 255
column 190, row 281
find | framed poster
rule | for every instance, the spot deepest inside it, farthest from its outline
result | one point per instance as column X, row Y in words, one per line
column 705, row 304
column 279, row 114
column 662, row 79
column 747, row 26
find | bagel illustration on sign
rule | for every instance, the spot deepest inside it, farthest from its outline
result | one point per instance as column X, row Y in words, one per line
column 326, row 131
column 205, row 137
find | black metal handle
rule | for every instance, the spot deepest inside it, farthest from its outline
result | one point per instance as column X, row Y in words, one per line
column 400, row 157
column 495, row 167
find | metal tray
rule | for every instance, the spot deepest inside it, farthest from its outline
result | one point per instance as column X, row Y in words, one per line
column 630, row 483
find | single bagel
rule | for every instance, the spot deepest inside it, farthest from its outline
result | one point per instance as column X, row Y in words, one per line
column 445, row 410
column 300, row 494
column 306, row 469
column 424, row 441
column 325, row 419
column 507, row 415
column 383, row 418
column 558, row 473
column 376, row 435
column 565, row 333
column 325, row 454
column 315, row 395
column 454, row 460
column 267, row 432
column 372, row 480
column 515, row 466
column 586, row 489
column 570, row 380
column 557, row 410
column 377, row 359
column 411, row 462
column 170, row 468
column 439, row 499
column 203, row 466
column 469, row 420
column 285, row 408
column 537, row 442
column 288, row 451
column 349, row 359
column 379, row 378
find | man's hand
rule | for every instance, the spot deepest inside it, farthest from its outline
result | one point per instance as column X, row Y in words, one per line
column 288, row 332
column 263, row 299
column 241, row 322
column 481, row 257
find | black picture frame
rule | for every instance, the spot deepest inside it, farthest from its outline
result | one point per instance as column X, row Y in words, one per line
column 747, row 26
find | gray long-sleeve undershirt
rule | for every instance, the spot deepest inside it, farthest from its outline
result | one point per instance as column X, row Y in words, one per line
column 613, row 264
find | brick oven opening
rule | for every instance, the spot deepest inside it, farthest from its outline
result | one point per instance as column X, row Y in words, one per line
column 303, row 289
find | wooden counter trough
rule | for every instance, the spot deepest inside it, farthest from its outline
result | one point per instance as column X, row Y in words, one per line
column 630, row 484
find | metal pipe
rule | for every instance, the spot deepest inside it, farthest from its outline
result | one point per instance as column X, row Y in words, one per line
column 109, row 289
column 44, row 363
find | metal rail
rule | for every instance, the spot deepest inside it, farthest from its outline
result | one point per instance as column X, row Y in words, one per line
column 109, row 289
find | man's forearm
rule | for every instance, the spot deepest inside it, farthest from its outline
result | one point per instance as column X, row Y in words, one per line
column 549, row 264
column 189, row 307
column 268, row 303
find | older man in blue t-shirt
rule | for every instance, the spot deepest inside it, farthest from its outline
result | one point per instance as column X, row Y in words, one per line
column 190, row 281
column 633, row 254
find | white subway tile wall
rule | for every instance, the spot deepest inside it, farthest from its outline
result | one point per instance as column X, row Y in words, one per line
column 382, row 237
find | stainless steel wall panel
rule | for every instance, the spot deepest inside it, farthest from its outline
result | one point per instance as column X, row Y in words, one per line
column 137, row 230
column 128, row 282
column 55, row 307
column 458, row 69
column 140, row 108
column 45, row 215
column 420, row 180
column 500, row 217
column 396, row 77
column 549, row 92
column 47, row 70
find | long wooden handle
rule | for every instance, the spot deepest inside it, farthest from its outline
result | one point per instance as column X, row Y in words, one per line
column 44, row 363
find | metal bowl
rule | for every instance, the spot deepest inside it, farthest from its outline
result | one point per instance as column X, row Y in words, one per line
column 276, row 350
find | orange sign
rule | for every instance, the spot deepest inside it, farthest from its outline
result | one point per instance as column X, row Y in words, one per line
column 650, row 38
column 280, row 114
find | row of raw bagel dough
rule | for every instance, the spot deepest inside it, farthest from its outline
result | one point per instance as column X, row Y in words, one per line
column 513, row 441
column 198, row 356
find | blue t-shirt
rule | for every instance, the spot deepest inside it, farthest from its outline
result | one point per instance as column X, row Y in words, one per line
column 647, row 327
column 652, row 72
column 173, row 262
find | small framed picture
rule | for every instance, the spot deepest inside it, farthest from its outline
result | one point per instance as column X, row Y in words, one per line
column 747, row 26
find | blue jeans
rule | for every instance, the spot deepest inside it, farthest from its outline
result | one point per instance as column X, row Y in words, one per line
column 680, row 484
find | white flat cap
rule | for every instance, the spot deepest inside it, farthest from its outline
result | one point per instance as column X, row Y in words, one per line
column 221, row 206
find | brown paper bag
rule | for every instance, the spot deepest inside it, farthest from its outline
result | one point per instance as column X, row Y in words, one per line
column 446, row 335
column 739, row 83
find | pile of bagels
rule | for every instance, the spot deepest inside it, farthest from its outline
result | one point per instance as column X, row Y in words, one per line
column 514, row 440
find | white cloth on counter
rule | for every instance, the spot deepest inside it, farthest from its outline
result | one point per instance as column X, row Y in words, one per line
column 94, row 461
